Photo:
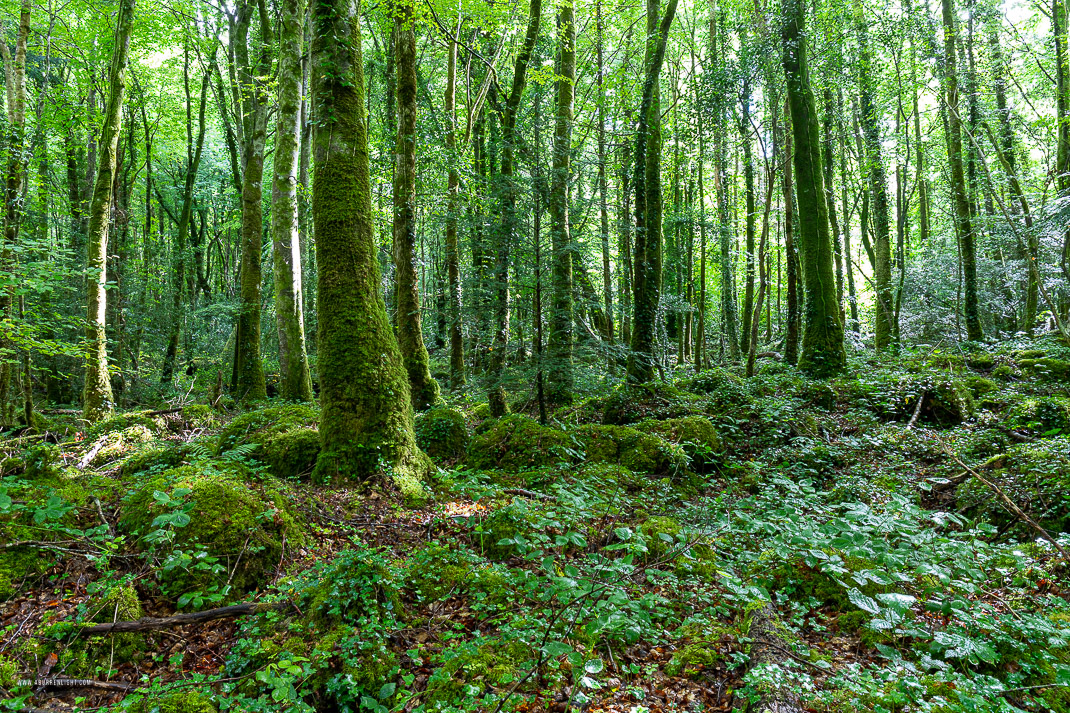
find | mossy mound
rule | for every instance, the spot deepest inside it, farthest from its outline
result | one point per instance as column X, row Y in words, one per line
column 175, row 702
column 122, row 421
column 41, row 462
column 282, row 437
column 725, row 390
column 1050, row 369
column 18, row 566
column 159, row 457
column 495, row 535
column 661, row 534
column 115, row 445
column 981, row 361
column 634, row 403
column 1036, row 476
column 471, row 668
column 442, row 434
column 514, row 443
column 633, row 448
column 1043, row 414
column 241, row 524
column 694, row 434
column 948, row 401
column 200, row 416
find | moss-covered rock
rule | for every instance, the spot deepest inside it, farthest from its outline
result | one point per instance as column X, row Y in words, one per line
column 980, row 360
column 42, row 461
column 284, row 438
column 116, row 445
column 200, row 416
column 633, row 448
column 18, row 566
column 174, row 702
column 240, row 523
column 514, row 443
column 725, row 390
column 122, row 421
column 442, row 434
column 470, row 668
column 694, row 434
column 633, row 403
column 948, row 399
column 159, row 456
column 1051, row 369
column 1040, row 414
column 662, row 535
column 980, row 386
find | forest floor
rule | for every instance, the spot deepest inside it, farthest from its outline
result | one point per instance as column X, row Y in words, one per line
column 705, row 545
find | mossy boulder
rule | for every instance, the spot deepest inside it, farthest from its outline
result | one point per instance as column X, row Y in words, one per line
column 116, row 445
column 241, row 524
column 661, row 534
column 284, row 438
column 694, row 434
column 514, row 443
column 981, row 361
column 442, row 434
column 122, row 421
column 42, row 462
column 159, row 457
column 633, row 403
column 1051, row 369
column 174, row 702
column 18, row 566
column 1040, row 414
column 469, row 668
column 725, row 390
column 199, row 416
column 634, row 448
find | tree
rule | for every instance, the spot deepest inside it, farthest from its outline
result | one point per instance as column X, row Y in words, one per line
column 560, row 339
column 963, row 222
column 453, row 210
column 248, row 378
column 97, row 400
column 646, row 181
column 366, row 424
column 295, row 382
column 822, row 344
column 424, row 388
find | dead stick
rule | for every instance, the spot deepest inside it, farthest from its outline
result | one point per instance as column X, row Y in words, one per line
column 917, row 410
column 528, row 494
column 1013, row 508
column 150, row 623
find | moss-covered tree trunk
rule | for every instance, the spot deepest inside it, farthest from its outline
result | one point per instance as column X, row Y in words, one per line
column 884, row 322
column 791, row 249
column 295, row 382
column 603, row 185
column 97, row 396
column 453, row 208
column 504, row 231
column 16, row 149
column 963, row 222
column 423, row 387
column 822, row 345
column 248, row 380
column 646, row 182
column 366, row 424
column 559, row 342
column 729, row 317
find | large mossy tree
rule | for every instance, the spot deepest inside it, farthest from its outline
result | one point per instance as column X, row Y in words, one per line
column 366, row 425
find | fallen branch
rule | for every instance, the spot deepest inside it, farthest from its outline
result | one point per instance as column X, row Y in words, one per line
column 1012, row 508
column 993, row 463
column 150, row 623
column 164, row 412
column 61, row 412
column 88, row 457
column 766, row 649
column 917, row 410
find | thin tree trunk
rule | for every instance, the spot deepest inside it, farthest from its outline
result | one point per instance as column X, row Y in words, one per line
column 295, row 383
column 453, row 208
column 97, row 398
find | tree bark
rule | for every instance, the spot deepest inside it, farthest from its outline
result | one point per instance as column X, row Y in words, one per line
column 822, row 346
column 963, row 223
column 559, row 342
column 295, row 383
column 423, row 387
column 97, row 398
column 453, row 208
column 366, row 424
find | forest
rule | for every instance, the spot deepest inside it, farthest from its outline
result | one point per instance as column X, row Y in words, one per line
column 525, row 356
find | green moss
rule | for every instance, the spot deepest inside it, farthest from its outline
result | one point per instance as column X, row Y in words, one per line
column 661, row 535
column 480, row 412
column 284, row 438
column 442, row 434
column 633, row 448
column 159, row 457
column 1052, row 369
column 471, row 667
column 18, row 566
column 514, row 443
column 635, row 402
column 242, row 524
column 200, row 416
column 495, row 534
column 980, row 360
column 1003, row 372
column 9, row 672
column 122, row 421
column 115, row 445
column 695, row 434
column 1041, row 414
column 175, row 702
column 42, row 461
column 980, row 386
column 700, row 648
column 1030, row 354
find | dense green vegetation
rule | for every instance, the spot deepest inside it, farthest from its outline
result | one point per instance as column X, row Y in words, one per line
column 523, row 356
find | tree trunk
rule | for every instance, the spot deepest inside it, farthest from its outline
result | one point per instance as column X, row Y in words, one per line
column 963, row 223
column 822, row 347
column 453, row 208
column 366, row 425
column 97, row 399
column 423, row 387
column 603, row 189
column 559, row 344
column 295, row 383
column 248, row 379
column 647, row 186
